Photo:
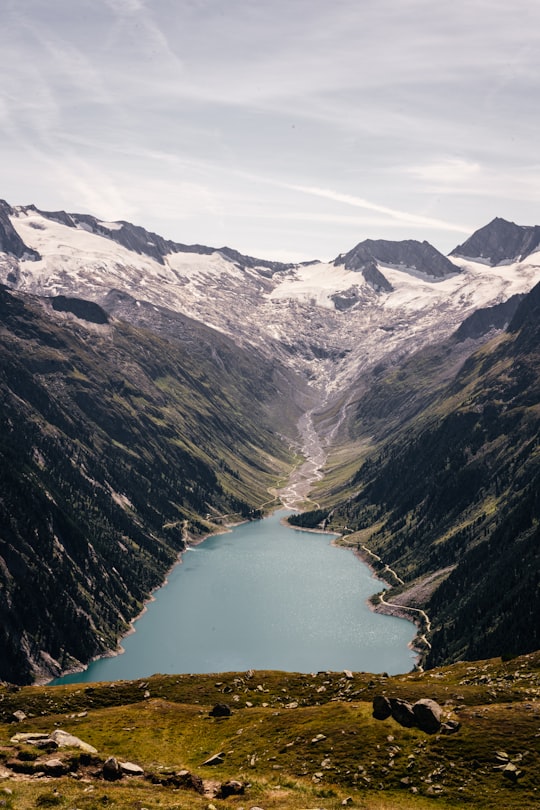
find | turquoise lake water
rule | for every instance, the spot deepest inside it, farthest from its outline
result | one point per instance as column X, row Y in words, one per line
column 263, row 596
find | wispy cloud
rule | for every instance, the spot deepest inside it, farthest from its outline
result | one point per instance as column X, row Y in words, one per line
column 401, row 216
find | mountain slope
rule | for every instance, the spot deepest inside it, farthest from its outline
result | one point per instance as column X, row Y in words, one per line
column 452, row 498
column 116, row 445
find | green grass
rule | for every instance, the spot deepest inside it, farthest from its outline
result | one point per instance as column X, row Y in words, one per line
column 270, row 741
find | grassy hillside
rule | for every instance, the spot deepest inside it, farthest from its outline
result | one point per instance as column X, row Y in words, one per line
column 291, row 741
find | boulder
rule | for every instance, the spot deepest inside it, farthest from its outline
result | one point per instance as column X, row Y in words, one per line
column 221, row 710
column 230, row 788
column 112, row 770
column 66, row 740
column 402, row 712
column 55, row 767
column 381, row 707
column 428, row 715
column 19, row 716
column 130, row 769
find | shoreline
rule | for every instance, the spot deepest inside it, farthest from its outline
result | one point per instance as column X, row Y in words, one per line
column 119, row 649
column 398, row 611
column 382, row 608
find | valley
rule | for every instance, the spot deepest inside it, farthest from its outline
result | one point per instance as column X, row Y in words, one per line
column 154, row 390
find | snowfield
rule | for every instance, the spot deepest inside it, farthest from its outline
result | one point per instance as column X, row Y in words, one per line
column 290, row 313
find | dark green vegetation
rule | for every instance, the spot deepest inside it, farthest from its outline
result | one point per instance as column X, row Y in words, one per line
column 116, row 444
column 450, row 498
column 292, row 741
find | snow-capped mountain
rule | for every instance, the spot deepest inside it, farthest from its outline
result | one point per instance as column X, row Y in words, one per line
column 328, row 321
column 501, row 242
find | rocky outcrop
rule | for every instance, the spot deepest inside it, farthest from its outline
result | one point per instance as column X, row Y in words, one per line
column 57, row 739
column 86, row 310
column 482, row 321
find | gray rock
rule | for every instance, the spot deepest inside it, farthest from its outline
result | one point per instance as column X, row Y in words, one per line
column 19, row 716
column 66, row 740
column 381, row 707
column 402, row 712
column 221, row 710
column 55, row 767
column 511, row 772
column 30, row 738
column 428, row 715
column 130, row 769
column 216, row 759
column 230, row 788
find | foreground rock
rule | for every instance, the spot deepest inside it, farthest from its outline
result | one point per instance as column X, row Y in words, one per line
column 221, row 710
column 58, row 739
column 425, row 714
column 428, row 715
column 230, row 788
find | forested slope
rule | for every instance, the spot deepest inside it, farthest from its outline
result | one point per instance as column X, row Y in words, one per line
column 115, row 445
column 457, row 492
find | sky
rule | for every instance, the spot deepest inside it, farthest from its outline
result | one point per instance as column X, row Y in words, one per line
column 286, row 129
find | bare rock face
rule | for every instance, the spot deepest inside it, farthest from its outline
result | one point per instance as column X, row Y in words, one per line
column 10, row 241
column 420, row 256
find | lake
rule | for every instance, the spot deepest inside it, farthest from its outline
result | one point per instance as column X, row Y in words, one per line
column 263, row 596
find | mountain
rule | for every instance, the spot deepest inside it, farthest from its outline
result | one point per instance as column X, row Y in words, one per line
column 152, row 390
column 117, row 446
column 420, row 257
column 328, row 322
column 500, row 242
column 450, row 500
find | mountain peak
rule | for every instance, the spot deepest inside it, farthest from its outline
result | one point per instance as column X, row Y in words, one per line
column 499, row 242
column 409, row 253
column 10, row 241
